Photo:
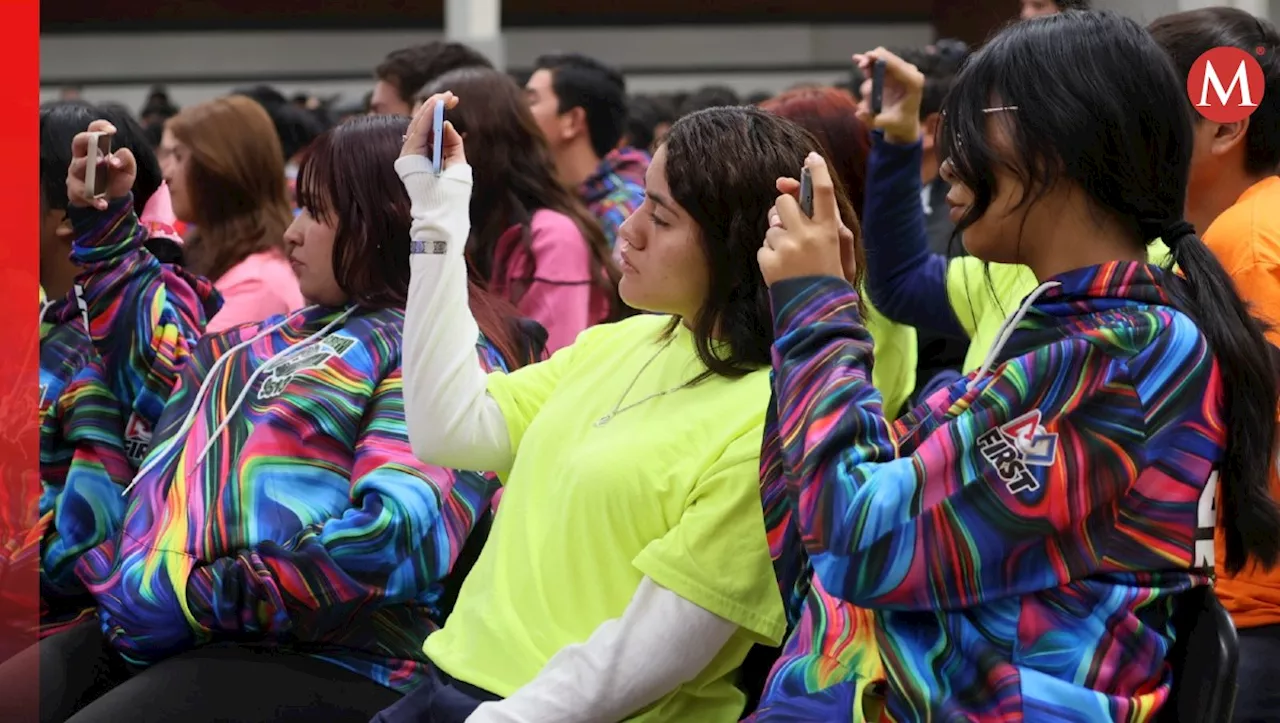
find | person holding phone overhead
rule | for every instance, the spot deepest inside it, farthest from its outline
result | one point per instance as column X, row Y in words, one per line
column 281, row 541
column 629, row 571
column 1039, row 519
column 532, row 240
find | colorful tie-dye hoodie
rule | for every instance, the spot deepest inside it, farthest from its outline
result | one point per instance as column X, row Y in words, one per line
column 144, row 316
column 616, row 189
column 282, row 504
column 1021, row 537
column 83, row 467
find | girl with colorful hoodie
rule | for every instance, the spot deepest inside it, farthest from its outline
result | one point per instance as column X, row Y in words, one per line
column 282, row 553
column 1024, row 537
column 112, row 333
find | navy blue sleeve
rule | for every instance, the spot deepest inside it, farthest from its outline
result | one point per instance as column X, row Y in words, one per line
column 906, row 281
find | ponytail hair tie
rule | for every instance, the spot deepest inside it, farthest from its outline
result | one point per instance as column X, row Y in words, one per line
column 1175, row 232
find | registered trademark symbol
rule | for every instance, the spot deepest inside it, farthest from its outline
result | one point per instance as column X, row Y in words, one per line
column 1260, row 50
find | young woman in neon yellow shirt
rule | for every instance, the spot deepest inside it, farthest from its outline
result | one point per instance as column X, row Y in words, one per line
column 628, row 571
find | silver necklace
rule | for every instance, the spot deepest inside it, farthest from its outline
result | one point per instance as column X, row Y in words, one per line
column 619, row 409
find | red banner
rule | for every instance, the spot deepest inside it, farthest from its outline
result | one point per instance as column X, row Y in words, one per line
column 19, row 350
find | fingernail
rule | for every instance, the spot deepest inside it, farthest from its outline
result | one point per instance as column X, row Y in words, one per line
column 814, row 157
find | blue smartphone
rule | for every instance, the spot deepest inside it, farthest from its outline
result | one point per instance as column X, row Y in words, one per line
column 437, row 138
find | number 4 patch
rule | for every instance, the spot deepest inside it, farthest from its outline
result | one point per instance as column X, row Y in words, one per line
column 1017, row 445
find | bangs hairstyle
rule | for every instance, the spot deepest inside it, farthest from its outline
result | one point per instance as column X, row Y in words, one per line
column 1099, row 105
column 347, row 180
column 722, row 167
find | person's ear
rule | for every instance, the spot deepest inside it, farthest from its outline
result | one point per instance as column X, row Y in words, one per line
column 573, row 123
column 1227, row 137
column 63, row 230
column 929, row 130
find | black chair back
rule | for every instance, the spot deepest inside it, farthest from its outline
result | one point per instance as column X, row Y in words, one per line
column 1205, row 658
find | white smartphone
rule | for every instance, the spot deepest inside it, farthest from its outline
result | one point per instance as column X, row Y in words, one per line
column 97, row 170
column 437, row 138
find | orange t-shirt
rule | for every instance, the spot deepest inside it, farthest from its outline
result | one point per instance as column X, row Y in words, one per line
column 1246, row 239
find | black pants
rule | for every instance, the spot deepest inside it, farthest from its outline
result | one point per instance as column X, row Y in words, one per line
column 81, row 680
column 439, row 700
column 1258, row 699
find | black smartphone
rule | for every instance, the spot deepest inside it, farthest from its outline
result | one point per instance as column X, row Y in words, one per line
column 877, row 87
column 806, row 192
column 97, row 171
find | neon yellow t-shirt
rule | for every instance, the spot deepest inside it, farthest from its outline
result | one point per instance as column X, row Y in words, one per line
column 895, row 352
column 668, row 488
column 982, row 305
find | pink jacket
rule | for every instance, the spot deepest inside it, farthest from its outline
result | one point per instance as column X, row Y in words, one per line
column 552, row 279
column 260, row 286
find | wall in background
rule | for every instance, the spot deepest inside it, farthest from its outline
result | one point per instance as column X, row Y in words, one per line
column 200, row 65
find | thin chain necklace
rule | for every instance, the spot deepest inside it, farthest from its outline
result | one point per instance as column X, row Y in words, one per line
column 619, row 409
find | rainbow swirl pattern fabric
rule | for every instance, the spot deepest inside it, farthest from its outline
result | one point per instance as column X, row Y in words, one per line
column 281, row 504
column 1022, row 536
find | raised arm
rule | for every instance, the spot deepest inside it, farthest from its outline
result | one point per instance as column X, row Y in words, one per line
column 907, row 282
column 144, row 317
column 452, row 420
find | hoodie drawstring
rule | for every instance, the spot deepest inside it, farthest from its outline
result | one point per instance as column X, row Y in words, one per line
column 156, row 455
column 1007, row 329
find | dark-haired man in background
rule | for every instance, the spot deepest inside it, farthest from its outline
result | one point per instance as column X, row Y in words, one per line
column 580, row 104
column 404, row 72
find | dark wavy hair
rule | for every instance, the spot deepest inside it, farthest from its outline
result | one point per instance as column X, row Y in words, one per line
column 348, row 179
column 722, row 165
column 1101, row 106
column 513, row 172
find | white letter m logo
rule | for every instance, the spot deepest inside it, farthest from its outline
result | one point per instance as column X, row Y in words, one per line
column 1241, row 78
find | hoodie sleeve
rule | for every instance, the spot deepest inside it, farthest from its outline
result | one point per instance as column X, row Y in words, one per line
column 82, row 506
column 975, row 513
column 403, row 531
column 144, row 317
column 906, row 281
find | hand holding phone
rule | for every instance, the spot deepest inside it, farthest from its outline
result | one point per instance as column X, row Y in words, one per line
column 98, row 175
column 892, row 103
column 430, row 136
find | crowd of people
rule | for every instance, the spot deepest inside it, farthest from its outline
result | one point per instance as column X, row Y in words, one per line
column 594, row 418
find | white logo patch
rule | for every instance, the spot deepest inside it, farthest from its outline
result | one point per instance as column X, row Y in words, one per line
column 1016, row 445
column 312, row 357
